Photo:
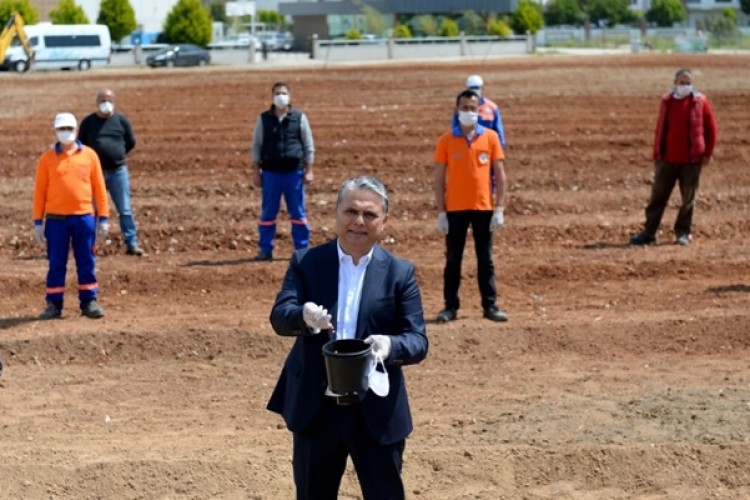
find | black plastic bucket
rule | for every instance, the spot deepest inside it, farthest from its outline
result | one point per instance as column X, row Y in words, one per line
column 348, row 363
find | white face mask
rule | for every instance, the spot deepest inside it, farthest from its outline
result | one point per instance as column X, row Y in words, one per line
column 378, row 380
column 682, row 90
column 468, row 118
column 106, row 107
column 281, row 100
column 66, row 137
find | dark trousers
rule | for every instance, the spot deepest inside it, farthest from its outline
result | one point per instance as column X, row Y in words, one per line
column 666, row 175
column 320, row 453
column 455, row 240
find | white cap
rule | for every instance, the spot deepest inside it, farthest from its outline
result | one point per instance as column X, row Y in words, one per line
column 474, row 81
column 63, row 120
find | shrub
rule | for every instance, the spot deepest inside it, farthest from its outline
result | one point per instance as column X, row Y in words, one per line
column 353, row 34
column 448, row 27
column 401, row 31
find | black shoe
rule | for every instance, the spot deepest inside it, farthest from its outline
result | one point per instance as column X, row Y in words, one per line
column 643, row 239
column 263, row 256
column 137, row 251
column 92, row 310
column 51, row 312
column 495, row 314
column 446, row 315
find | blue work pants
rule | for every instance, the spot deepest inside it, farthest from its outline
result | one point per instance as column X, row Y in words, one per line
column 62, row 232
column 290, row 185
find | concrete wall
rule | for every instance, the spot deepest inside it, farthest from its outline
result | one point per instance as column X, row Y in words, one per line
column 341, row 50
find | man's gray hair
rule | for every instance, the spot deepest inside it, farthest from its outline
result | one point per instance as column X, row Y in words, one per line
column 365, row 182
column 683, row 71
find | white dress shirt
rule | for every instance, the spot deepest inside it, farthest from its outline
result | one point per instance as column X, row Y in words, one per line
column 351, row 278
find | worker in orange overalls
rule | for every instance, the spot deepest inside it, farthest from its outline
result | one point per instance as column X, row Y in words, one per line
column 69, row 196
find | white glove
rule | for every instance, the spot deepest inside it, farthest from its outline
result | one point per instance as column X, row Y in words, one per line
column 498, row 218
column 442, row 223
column 381, row 345
column 316, row 317
column 39, row 234
column 102, row 230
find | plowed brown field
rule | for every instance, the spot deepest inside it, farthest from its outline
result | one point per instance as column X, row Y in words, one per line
column 622, row 373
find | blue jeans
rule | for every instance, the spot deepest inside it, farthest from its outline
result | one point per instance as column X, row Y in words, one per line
column 118, row 185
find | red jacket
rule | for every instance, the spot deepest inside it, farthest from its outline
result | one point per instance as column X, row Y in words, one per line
column 703, row 129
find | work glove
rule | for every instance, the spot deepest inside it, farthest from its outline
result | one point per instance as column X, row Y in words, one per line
column 39, row 234
column 381, row 345
column 498, row 218
column 102, row 229
column 316, row 317
column 442, row 223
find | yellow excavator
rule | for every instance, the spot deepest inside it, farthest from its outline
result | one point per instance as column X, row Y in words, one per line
column 14, row 28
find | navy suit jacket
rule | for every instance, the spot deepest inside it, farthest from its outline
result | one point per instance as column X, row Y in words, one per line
column 391, row 305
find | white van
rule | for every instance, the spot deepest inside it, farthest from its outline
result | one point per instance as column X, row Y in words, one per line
column 62, row 46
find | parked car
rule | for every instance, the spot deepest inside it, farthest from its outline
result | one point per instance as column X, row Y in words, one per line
column 183, row 54
column 276, row 40
column 241, row 41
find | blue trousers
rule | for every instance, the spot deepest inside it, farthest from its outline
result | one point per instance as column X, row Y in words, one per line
column 118, row 185
column 292, row 187
column 80, row 232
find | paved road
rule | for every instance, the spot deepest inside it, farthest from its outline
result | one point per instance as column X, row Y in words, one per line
column 229, row 57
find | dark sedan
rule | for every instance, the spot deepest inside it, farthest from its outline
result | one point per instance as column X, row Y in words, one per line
column 179, row 55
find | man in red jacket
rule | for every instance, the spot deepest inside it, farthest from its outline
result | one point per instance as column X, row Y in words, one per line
column 684, row 142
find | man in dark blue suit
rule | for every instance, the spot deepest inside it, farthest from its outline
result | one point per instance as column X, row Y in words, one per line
column 371, row 295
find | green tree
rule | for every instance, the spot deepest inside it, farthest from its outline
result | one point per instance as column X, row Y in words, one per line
column 527, row 17
column 27, row 11
column 68, row 12
column 730, row 14
column 374, row 22
column 188, row 22
column 499, row 27
column 722, row 26
column 425, row 25
column 272, row 17
column 119, row 16
column 610, row 12
column 401, row 31
column 559, row 12
column 448, row 27
column 353, row 34
column 218, row 11
column 666, row 12
column 471, row 23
